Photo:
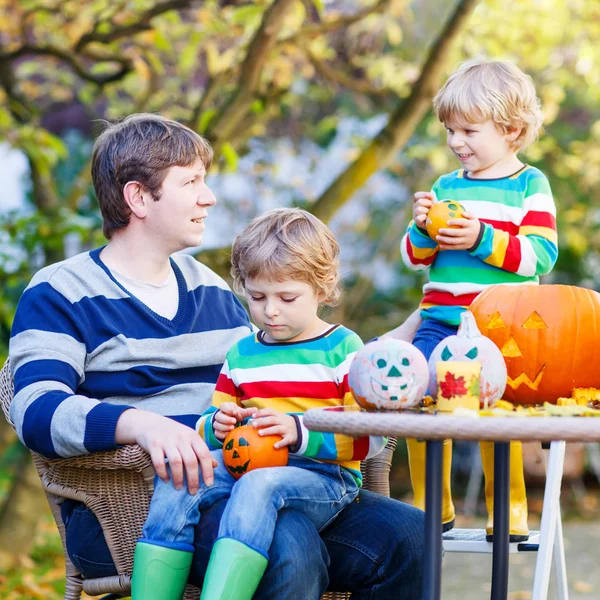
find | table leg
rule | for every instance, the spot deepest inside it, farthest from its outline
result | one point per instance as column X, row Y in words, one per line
column 432, row 560
column 501, row 520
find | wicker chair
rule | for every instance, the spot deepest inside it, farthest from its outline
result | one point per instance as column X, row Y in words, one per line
column 117, row 487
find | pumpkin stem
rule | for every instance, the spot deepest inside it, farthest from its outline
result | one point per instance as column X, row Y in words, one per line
column 468, row 326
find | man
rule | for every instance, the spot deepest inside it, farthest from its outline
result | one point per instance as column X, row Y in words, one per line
column 124, row 344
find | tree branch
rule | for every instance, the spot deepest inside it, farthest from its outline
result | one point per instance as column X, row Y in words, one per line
column 402, row 123
column 312, row 31
column 71, row 59
column 223, row 125
column 141, row 24
column 338, row 77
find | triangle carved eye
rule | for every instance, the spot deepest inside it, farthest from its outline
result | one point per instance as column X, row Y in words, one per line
column 446, row 354
column 472, row 353
column 496, row 321
column 534, row 321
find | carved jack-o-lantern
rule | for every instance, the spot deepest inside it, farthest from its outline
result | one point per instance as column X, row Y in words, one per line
column 388, row 374
column 245, row 450
column 549, row 336
column 469, row 345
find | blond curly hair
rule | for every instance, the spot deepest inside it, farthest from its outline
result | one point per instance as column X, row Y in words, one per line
column 492, row 89
column 288, row 243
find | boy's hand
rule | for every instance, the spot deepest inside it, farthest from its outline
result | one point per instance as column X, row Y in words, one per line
column 422, row 202
column 228, row 416
column 272, row 422
column 463, row 238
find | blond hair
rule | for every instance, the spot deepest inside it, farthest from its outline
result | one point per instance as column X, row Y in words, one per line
column 492, row 89
column 287, row 243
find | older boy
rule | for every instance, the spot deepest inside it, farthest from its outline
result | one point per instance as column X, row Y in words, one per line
column 124, row 344
column 508, row 235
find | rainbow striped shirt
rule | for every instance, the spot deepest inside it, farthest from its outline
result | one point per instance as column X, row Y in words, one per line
column 519, row 241
column 291, row 378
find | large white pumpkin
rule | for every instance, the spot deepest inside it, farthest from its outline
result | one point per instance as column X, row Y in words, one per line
column 388, row 374
column 468, row 344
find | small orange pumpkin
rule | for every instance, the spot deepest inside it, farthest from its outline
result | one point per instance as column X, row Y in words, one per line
column 549, row 336
column 439, row 215
column 245, row 450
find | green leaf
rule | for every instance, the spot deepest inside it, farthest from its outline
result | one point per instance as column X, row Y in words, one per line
column 205, row 118
column 230, row 156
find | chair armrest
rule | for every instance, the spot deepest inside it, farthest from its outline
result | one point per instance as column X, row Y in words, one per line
column 376, row 470
column 130, row 457
column 117, row 486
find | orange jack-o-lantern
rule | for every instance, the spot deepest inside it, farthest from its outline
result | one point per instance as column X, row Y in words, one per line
column 245, row 450
column 439, row 215
column 549, row 336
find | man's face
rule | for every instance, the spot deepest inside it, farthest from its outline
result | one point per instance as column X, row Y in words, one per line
column 176, row 220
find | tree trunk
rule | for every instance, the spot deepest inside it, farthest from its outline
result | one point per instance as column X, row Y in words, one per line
column 21, row 512
column 402, row 123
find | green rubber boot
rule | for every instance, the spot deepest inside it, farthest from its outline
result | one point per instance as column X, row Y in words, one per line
column 159, row 573
column 234, row 571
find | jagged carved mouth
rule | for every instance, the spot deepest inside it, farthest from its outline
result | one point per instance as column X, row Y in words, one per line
column 391, row 391
column 525, row 380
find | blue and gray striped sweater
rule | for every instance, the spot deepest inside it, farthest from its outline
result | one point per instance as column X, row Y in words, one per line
column 83, row 350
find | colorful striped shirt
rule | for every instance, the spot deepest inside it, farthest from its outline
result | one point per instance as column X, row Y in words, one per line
column 83, row 350
column 291, row 378
column 517, row 245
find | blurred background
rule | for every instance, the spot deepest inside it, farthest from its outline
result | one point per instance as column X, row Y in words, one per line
column 323, row 104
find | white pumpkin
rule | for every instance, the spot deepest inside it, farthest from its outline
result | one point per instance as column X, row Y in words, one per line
column 388, row 374
column 468, row 344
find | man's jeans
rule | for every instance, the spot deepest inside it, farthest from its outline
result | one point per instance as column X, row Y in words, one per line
column 318, row 490
column 374, row 549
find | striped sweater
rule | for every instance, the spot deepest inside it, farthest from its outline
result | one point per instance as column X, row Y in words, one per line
column 518, row 242
column 83, row 350
column 291, row 378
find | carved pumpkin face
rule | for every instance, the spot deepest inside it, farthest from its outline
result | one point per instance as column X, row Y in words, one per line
column 466, row 346
column 388, row 374
column 245, row 450
column 549, row 336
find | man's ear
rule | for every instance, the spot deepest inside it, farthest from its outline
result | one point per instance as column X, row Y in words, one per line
column 136, row 198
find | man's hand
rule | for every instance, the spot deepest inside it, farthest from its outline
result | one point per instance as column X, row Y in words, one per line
column 228, row 416
column 272, row 422
column 164, row 438
column 464, row 237
column 422, row 202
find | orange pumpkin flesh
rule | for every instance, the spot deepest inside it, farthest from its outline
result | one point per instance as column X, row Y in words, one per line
column 549, row 336
column 439, row 215
column 245, row 450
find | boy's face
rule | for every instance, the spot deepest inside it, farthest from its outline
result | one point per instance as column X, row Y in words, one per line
column 176, row 220
column 484, row 151
column 285, row 310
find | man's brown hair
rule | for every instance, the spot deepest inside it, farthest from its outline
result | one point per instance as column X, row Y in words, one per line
column 141, row 147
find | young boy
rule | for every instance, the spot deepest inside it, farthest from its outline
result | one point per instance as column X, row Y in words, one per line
column 286, row 264
column 507, row 236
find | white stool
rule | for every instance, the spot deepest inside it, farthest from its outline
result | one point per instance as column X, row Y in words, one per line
column 548, row 541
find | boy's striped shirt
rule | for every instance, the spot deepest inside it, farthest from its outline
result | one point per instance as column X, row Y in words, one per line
column 519, row 241
column 291, row 378
column 83, row 350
